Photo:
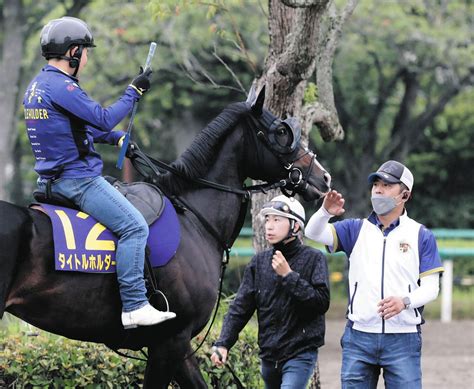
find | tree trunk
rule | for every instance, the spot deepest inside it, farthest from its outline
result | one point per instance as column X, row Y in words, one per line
column 294, row 34
column 13, row 41
column 300, row 42
column 13, row 81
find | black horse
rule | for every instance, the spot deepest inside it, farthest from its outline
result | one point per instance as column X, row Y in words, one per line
column 245, row 140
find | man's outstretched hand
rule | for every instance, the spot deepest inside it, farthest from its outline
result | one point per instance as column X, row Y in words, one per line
column 334, row 203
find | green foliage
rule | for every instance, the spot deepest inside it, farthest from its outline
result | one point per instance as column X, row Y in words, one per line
column 384, row 49
column 47, row 361
column 243, row 359
column 311, row 93
column 443, row 161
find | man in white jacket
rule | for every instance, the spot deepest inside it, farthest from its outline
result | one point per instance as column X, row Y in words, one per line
column 394, row 270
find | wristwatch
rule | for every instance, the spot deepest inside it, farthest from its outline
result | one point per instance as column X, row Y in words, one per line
column 406, row 302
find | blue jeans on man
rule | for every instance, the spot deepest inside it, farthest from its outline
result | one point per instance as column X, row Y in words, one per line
column 96, row 197
column 292, row 374
column 364, row 354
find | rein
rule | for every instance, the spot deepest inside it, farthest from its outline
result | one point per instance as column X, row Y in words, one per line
column 155, row 165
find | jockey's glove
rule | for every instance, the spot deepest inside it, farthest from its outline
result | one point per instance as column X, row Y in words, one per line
column 141, row 83
column 120, row 141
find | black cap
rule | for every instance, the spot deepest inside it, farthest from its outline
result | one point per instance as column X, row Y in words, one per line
column 393, row 172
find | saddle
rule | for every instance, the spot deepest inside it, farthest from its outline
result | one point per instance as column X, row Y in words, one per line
column 147, row 198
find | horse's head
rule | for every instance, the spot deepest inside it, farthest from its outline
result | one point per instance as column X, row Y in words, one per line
column 279, row 147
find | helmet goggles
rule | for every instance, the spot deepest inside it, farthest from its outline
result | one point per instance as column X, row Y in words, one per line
column 282, row 209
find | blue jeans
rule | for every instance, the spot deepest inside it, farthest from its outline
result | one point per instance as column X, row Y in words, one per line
column 96, row 197
column 364, row 354
column 292, row 374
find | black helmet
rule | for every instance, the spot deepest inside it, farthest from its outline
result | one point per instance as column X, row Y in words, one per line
column 60, row 34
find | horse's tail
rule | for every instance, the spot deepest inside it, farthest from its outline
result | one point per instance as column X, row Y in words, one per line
column 13, row 220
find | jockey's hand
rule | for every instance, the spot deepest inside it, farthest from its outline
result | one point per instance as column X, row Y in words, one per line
column 219, row 356
column 334, row 203
column 280, row 265
column 142, row 82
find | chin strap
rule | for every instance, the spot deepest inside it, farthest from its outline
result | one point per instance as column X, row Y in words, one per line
column 72, row 59
column 291, row 232
column 75, row 60
column 75, row 72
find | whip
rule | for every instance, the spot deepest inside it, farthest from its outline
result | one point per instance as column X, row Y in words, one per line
column 126, row 139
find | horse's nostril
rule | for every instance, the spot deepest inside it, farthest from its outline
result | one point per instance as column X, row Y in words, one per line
column 327, row 179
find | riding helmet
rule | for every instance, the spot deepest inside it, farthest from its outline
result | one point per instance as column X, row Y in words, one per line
column 287, row 207
column 60, row 34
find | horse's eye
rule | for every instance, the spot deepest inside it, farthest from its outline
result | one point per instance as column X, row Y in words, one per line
column 281, row 130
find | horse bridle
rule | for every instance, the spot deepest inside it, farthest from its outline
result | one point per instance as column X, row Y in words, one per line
column 296, row 178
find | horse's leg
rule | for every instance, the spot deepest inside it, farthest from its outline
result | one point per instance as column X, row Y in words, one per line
column 162, row 363
column 166, row 362
column 188, row 375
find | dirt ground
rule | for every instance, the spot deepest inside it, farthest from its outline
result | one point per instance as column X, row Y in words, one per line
column 447, row 355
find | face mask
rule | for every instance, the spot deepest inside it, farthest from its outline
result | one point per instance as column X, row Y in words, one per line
column 383, row 205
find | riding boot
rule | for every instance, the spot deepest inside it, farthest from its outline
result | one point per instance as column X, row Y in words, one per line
column 145, row 316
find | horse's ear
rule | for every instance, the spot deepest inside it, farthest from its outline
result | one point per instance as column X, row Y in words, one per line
column 252, row 96
column 257, row 106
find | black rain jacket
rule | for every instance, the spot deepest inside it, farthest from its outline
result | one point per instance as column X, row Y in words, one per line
column 290, row 309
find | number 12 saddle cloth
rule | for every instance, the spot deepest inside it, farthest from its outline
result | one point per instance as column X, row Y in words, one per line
column 82, row 244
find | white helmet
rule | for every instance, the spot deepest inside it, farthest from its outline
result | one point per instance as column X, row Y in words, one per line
column 287, row 207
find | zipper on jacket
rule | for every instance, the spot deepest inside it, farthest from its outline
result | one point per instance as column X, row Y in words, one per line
column 352, row 298
column 382, row 280
column 409, row 291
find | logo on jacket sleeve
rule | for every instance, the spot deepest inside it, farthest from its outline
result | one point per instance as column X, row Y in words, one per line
column 71, row 85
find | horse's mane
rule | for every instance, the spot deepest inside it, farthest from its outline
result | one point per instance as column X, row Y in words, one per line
column 198, row 158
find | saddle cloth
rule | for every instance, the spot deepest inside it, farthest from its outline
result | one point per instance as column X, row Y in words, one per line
column 83, row 244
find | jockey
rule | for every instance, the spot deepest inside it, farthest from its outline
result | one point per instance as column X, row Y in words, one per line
column 288, row 286
column 62, row 124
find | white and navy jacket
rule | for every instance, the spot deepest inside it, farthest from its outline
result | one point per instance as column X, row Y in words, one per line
column 382, row 263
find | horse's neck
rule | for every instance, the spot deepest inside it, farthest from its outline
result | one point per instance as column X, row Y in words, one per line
column 221, row 209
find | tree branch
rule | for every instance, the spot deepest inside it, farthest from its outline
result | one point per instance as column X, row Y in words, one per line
column 327, row 122
column 192, row 69
column 424, row 119
column 328, row 41
column 401, row 124
column 412, row 130
column 231, row 72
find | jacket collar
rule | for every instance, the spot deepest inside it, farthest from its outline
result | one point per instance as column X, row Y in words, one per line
column 373, row 218
column 51, row 68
